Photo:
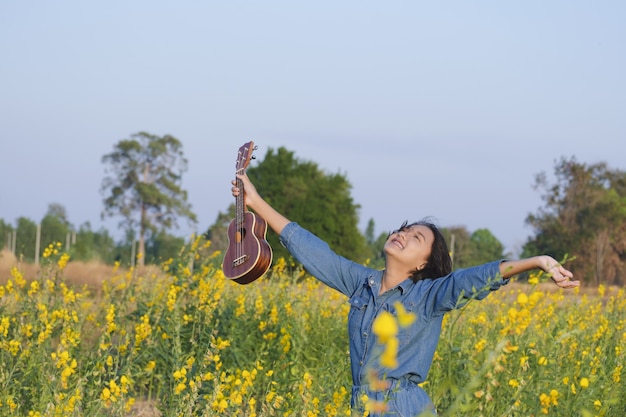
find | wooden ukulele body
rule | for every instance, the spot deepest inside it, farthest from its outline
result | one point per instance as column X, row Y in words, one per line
column 248, row 255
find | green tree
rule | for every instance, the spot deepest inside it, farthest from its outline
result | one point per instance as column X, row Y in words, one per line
column 375, row 245
column 319, row 201
column 584, row 216
column 54, row 226
column 458, row 240
column 218, row 232
column 469, row 249
column 6, row 233
column 162, row 246
column 93, row 245
column 485, row 247
column 26, row 237
column 143, row 185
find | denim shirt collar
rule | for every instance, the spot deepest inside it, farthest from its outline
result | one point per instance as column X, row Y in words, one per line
column 374, row 281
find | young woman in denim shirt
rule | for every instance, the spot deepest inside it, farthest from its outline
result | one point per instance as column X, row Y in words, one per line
column 418, row 274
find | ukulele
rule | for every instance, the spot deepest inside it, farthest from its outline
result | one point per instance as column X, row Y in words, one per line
column 249, row 255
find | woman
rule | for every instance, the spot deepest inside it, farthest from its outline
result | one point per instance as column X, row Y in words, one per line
column 418, row 274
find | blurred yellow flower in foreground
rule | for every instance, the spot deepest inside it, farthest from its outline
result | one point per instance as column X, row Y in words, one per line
column 385, row 327
column 405, row 318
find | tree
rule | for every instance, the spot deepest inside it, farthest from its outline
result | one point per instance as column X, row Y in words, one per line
column 162, row 246
column 469, row 249
column 584, row 217
column 458, row 240
column 54, row 226
column 93, row 245
column 26, row 237
column 375, row 245
column 317, row 200
column 144, row 185
column 6, row 234
column 485, row 247
column 218, row 232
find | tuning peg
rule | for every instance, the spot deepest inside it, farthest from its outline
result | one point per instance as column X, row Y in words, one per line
column 253, row 157
column 255, row 148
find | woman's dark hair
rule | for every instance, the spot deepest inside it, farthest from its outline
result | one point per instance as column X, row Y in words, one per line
column 439, row 262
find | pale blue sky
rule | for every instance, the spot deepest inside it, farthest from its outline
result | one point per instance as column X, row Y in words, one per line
column 431, row 108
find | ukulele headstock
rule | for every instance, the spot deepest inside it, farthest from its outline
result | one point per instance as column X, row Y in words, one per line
column 244, row 156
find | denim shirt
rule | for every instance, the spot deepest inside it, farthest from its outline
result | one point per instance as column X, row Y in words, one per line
column 427, row 299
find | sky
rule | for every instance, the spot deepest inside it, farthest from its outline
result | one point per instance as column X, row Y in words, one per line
column 441, row 109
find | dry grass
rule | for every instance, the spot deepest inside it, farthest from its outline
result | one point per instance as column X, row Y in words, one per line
column 8, row 260
column 144, row 409
column 92, row 273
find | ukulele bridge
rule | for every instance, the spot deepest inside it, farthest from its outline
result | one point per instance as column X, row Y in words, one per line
column 240, row 261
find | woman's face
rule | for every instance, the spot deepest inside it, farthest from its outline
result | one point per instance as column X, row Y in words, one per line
column 411, row 245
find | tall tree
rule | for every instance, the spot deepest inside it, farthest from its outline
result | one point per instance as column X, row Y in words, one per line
column 584, row 216
column 143, row 185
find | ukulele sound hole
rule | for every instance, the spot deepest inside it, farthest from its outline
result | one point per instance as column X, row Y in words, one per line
column 241, row 235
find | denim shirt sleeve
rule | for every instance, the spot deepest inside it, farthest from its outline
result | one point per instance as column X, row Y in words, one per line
column 322, row 262
column 458, row 288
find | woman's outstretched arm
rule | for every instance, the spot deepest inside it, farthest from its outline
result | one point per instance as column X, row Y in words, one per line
column 561, row 276
column 253, row 200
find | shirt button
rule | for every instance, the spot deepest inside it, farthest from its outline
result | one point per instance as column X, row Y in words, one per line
column 364, row 334
column 371, row 281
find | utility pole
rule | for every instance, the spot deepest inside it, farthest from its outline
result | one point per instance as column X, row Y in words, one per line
column 37, row 244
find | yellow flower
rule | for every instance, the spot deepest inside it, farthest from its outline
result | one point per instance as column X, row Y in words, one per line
column 480, row 345
column 509, row 348
column 405, row 319
column 389, row 358
column 150, row 366
column 106, row 394
column 63, row 261
column 376, row 407
column 584, row 383
column 522, row 299
column 180, row 388
column 221, row 405
column 385, row 327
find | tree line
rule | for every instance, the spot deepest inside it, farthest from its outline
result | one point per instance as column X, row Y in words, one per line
column 582, row 221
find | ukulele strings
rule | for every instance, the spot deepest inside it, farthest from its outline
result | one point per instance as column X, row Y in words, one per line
column 239, row 217
column 239, row 252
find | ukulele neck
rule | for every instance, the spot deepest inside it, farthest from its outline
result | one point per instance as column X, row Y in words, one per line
column 240, row 205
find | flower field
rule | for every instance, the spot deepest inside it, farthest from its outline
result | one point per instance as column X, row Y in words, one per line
column 181, row 340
